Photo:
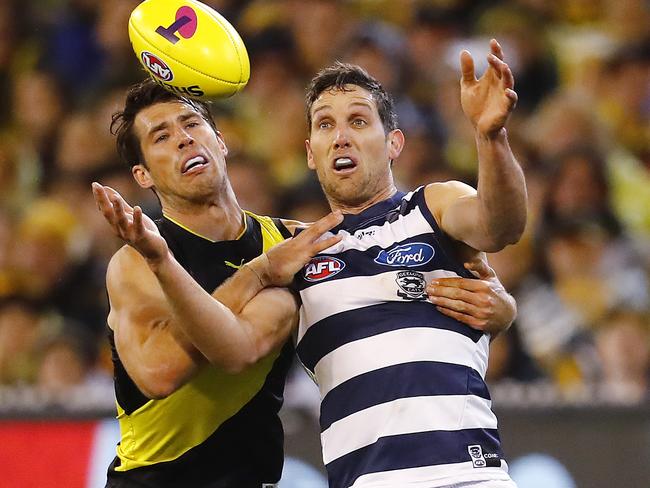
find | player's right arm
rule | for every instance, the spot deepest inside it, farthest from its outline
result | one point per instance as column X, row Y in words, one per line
column 157, row 357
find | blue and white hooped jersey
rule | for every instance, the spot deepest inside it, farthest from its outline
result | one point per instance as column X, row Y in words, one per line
column 404, row 401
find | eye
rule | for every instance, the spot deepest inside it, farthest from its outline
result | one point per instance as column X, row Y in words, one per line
column 359, row 122
column 160, row 138
column 324, row 124
column 192, row 124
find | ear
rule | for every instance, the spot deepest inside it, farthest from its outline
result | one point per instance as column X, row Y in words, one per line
column 395, row 143
column 142, row 176
column 222, row 144
column 310, row 155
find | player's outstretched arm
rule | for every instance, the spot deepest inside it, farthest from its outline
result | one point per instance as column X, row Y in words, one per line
column 495, row 216
column 238, row 324
column 481, row 303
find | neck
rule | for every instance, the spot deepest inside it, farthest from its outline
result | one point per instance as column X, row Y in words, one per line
column 219, row 219
column 347, row 208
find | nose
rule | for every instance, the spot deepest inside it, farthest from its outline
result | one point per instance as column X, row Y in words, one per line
column 185, row 140
column 341, row 139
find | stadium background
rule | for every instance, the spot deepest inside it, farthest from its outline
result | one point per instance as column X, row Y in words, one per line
column 570, row 378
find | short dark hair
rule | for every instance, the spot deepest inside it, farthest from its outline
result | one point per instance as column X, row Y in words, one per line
column 139, row 97
column 336, row 76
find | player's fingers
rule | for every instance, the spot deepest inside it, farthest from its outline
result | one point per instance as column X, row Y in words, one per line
column 104, row 205
column 467, row 67
column 496, row 64
column 323, row 244
column 322, row 225
column 481, row 269
column 507, row 77
column 496, row 49
column 466, row 319
column 512, row 97
column 137, row 221
column 458, row 305
column 121, row 218
column 114, row 194
column 458, row 283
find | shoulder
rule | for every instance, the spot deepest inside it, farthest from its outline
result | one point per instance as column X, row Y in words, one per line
column 128, row 274
column 439, row 196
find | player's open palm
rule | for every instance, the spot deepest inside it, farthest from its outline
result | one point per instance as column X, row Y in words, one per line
column 130, row 224
column 488, row 101
column 289, row 257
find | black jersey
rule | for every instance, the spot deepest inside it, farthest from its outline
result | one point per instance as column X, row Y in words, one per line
column 219, row 430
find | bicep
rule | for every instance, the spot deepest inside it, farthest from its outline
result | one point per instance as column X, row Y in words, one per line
column 154, row 353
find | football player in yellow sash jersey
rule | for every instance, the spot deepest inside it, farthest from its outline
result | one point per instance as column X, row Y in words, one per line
column 195, row 417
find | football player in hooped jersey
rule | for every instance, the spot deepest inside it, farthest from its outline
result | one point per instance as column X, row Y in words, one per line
column 403, row 396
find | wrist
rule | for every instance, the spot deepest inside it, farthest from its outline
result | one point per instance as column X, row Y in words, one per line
column 260, row 266
column 500, row 135
column 160, row 263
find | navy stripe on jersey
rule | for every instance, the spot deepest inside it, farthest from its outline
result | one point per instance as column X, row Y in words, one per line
column 361, row 391
column 336, row 330
column 411, row 451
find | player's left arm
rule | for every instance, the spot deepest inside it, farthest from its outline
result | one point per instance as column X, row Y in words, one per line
column 495, row 215
column 481, row 303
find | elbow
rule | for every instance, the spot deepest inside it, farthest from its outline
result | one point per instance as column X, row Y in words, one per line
column 503, row 236
column 157, row 385
column 237, row 364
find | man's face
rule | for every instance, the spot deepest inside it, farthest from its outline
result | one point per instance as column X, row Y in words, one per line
column 185, row 158
column 348, row 146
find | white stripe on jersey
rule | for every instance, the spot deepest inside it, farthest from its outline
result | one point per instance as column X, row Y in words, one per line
column 398, row 347
column 385, row 235
column 405, row 416
column 336, row 296
column 432, row 476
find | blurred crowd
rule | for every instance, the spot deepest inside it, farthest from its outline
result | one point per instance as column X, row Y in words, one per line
column 581, row 131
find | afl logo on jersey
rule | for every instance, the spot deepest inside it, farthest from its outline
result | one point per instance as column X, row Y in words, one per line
column 323, row 267
column 157, row 66
column 406, row 255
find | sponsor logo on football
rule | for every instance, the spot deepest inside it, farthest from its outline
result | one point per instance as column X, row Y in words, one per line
column 157, row 66
column 191, row 91
column 185, row 24
column 406, row 255
column 323, row 267
column 411, row 285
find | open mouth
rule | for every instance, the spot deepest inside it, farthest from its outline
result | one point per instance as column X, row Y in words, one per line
column 344, row 164
column 193, row 164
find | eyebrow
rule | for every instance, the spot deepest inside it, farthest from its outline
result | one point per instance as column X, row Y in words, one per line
column 363, row 104
column 181, row 118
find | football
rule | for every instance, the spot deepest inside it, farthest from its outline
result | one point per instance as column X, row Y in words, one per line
column 189, row 48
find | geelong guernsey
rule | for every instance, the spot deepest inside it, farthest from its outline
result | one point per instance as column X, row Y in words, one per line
column 404, row 401
column 219, row 430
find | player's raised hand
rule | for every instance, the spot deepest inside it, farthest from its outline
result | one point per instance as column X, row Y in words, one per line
column 488, row 101
column 481, row 303
column 130, row 224
column 289, row 257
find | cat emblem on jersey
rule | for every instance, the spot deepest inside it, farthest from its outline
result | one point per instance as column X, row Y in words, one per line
column 412, row 285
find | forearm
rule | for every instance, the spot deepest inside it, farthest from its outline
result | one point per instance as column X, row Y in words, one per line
column 502, row 193
column 214, row 329
column 243, row 286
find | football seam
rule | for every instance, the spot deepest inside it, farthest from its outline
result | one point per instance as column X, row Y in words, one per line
column 236, row 83
column 216, row 17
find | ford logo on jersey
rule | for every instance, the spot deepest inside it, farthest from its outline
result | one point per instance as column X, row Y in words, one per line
column 406, row 255
column 322, row 267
